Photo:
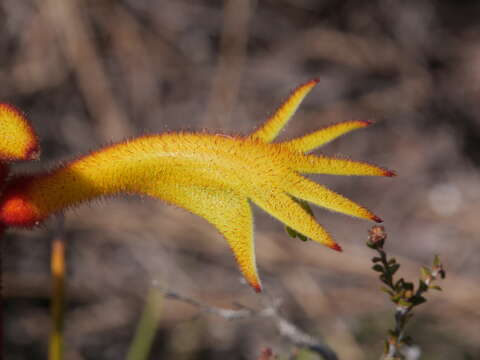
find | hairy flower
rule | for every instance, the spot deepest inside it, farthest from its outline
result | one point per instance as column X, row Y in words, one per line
column 212, row 175
column 17, row 138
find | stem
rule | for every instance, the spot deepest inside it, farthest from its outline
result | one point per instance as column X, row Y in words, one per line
column 388, row 274
column 57, row 265
column 147, row 327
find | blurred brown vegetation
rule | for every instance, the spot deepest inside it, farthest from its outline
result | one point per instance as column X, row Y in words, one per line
column 88, row 72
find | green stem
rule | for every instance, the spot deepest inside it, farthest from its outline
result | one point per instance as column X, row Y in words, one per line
column 147, row 327
column 57, row 264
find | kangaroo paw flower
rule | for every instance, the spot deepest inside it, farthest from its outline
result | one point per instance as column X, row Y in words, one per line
column 213, row 176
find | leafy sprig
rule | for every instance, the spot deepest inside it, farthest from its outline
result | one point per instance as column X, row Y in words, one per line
column 404, row 294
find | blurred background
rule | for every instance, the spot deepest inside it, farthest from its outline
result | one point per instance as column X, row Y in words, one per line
column 91, row 72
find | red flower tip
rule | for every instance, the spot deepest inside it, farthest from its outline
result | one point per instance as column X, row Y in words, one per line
column 389, row 173
column 16, row 209
column 336, row 247
column 257, row 287
column 367, row 122
column 376, row 219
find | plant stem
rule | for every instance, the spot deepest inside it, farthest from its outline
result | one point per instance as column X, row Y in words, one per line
column 57, row 265
column 147, row 327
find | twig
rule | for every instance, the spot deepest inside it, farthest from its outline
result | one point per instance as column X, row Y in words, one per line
column 287, row 329
column 228, row 314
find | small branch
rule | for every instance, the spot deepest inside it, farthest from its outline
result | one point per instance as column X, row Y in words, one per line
column 402, row 293
column 228, row 314
column 287, row 329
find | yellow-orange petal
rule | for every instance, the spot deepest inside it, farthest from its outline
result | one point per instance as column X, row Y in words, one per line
column 17, row 138
column 323, row 136
column 312, row 164
column 284, row 208
column 319, row 195
column 228, row 212
column 269, row 130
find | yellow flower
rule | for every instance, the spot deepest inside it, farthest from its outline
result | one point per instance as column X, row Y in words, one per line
column 17, row 139
column 212, row 175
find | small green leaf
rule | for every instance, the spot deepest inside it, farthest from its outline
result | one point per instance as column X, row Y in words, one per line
column 376, row 259
column 422, row 286
column 302, row 237
column 295, row 234
column 393, row 268
column 371, row 245
column 378, row 267
column 291, row 232
column 417, row 300
column 391, row 261
column 435, row 287
column 408, row 286
column 304, row 204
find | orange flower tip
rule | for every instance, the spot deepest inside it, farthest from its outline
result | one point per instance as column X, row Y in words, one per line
column 376, row 219
column 389, row 173
column 314, row 81
column 336, row 247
